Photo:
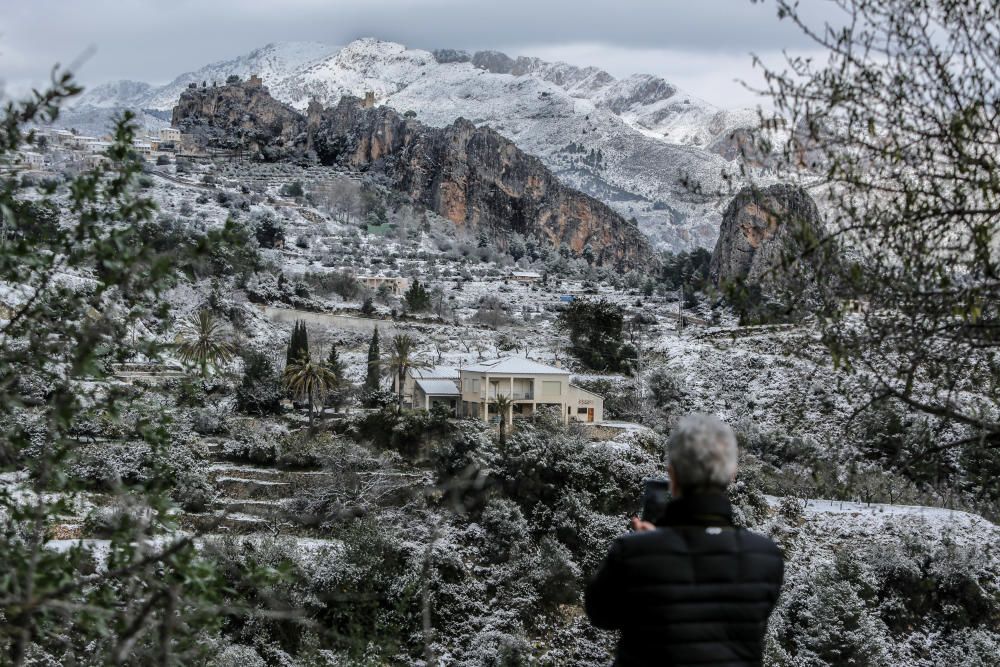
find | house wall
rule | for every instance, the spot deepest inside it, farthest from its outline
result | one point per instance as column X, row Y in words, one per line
column 529, row 391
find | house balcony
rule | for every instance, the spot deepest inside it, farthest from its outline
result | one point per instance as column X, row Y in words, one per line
column 515, row 396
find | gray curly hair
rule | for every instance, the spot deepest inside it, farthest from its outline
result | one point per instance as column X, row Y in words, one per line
column 703, row 451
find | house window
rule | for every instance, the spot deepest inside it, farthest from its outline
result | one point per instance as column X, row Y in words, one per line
column 581, row 411
column 551, row 388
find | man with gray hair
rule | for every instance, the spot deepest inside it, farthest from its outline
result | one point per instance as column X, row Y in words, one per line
column 688, row 587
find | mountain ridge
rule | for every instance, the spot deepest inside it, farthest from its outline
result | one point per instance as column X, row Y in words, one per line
column 634, row 143
column 471, row 175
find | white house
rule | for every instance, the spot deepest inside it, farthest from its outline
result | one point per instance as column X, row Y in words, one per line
column 397, row 285
column 170, row 134
column 527, row 277
column 32, row 160
column 530, row 385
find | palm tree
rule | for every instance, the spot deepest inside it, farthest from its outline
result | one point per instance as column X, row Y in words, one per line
column 310, row 381
column 202, row 341
column 504, row 404
column 402, row 358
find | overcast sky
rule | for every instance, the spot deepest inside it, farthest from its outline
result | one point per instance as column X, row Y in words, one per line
column 702, row 46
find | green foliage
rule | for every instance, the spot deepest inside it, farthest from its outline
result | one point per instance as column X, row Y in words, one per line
column 293, row 189
column 417, row 298
column 260, row 391
column 373, row 371
column 595, row 334
column 298, row 344
column 151, row 578
column 203, row 341
column 268, row 231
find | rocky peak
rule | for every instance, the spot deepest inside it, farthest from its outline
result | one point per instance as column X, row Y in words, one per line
column 493, row 61
column 240, row 116
column 445, row 56
column 757, row 229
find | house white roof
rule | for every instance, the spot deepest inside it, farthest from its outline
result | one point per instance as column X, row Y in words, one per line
column 526, row 274
column 437, row 387
column 436, row 372
column 514, row 366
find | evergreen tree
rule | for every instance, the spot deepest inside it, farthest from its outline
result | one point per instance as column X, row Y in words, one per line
column 484, row 239
column 374, row 364
column 416, row 298
column 298, row 345
column 334, row 363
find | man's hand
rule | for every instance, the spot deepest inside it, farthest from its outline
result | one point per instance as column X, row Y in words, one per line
column 639, row 526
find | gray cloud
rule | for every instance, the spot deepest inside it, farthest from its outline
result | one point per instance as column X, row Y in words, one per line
column 152, row 40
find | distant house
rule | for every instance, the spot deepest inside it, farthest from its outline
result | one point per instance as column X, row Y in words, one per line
column 97, row 146
column 142, row 147
column 528, row 277
column 397, row 285
column 170, row 134
column 32, row 160
column 530, row 385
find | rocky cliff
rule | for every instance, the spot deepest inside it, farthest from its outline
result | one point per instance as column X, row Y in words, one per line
column 471, row 175
column 242, row 117
column 758, row 228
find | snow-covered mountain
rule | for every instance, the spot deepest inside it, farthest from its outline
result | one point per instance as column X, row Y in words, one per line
column 636, row 143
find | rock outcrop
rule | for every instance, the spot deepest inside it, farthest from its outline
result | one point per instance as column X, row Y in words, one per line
column 242, row 117
column 471, row 175
column 758, row 229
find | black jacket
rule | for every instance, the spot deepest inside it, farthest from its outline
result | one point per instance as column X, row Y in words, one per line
column 695, row 591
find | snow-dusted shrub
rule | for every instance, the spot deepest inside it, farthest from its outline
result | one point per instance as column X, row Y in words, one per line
column 208, row 421
column 302, row 449
column 822, row 619
column 107, row 465
column 746, row 493
column 667, row 389
column 251, row 441
column 106, row 521
column 238, row 655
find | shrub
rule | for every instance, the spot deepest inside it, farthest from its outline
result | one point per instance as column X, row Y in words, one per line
column 260, row 391
column 251, row 442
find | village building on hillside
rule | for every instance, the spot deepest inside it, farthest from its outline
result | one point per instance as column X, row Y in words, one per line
column 396, row 284
column 527, row 277
column 170, row 134
column 32, row 160
column 530, row 385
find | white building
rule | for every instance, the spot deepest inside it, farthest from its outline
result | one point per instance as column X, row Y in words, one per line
column 530, row 385
column 397, row 285
column 528, row 277
column 32, row 160
column 170, row 134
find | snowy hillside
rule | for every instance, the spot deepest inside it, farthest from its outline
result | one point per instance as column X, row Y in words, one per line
column 628, row 142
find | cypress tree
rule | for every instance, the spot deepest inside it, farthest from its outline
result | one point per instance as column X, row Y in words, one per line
column 298, row 344
column 374, row 364
column 334, row 363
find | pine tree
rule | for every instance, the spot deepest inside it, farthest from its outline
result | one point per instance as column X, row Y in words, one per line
column 374, row 364
column 484, row 239
column 298, row 345
column 416, row 298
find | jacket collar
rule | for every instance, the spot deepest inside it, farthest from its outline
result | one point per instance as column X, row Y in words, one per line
column 698, row 510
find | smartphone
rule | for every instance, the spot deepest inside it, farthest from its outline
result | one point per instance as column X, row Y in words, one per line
column 655, row 497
